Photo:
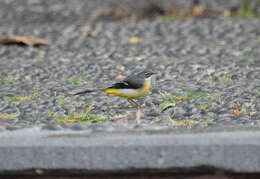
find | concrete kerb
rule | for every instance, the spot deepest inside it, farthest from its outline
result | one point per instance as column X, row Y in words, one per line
column 39, row 152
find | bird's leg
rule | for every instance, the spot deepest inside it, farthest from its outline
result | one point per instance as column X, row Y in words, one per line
column 135, row 104
column 138, row 112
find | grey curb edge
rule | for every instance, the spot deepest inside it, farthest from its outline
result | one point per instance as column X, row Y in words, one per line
column 36, row 151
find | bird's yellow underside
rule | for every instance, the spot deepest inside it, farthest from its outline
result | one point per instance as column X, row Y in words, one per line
column 138, row 93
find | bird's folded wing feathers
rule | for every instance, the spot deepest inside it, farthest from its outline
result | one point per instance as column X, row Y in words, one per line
column 126, row 84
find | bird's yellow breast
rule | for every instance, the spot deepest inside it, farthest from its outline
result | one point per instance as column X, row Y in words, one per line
column 130, row 93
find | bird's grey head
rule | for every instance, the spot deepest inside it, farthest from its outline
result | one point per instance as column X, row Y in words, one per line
column 146, row 74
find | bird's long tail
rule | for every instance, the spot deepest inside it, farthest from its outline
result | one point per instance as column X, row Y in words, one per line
column 89, row 91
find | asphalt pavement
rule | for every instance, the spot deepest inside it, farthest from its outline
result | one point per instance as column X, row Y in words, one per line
column 207, row 71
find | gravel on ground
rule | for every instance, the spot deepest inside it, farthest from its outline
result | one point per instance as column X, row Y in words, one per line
column 207, row 73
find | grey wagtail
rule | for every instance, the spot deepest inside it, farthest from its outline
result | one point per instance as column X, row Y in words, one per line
column 134, row 86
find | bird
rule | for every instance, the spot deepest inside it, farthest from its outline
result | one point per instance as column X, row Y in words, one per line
column 132, row 87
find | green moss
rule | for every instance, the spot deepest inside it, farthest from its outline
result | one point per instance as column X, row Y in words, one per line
column 248, row 9
column 8, row 80
column 62, row 100
column 245, row 110
column 169, row 100
column 195, row 95
column 23, row 98
column 165, row 106
column 222, row 47
column 171, row 97
column 225, row 78
column 78, row 80
column 204, row 106
column 170, row 17
column 73, row 116
column 182, row 123
column 209, row 80
column 207, row 121
column 40, row 57
column 169, row 62
column 112, row 111
column 8, row 116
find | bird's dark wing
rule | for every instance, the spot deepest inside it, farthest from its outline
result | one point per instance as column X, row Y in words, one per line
column 127, row 84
